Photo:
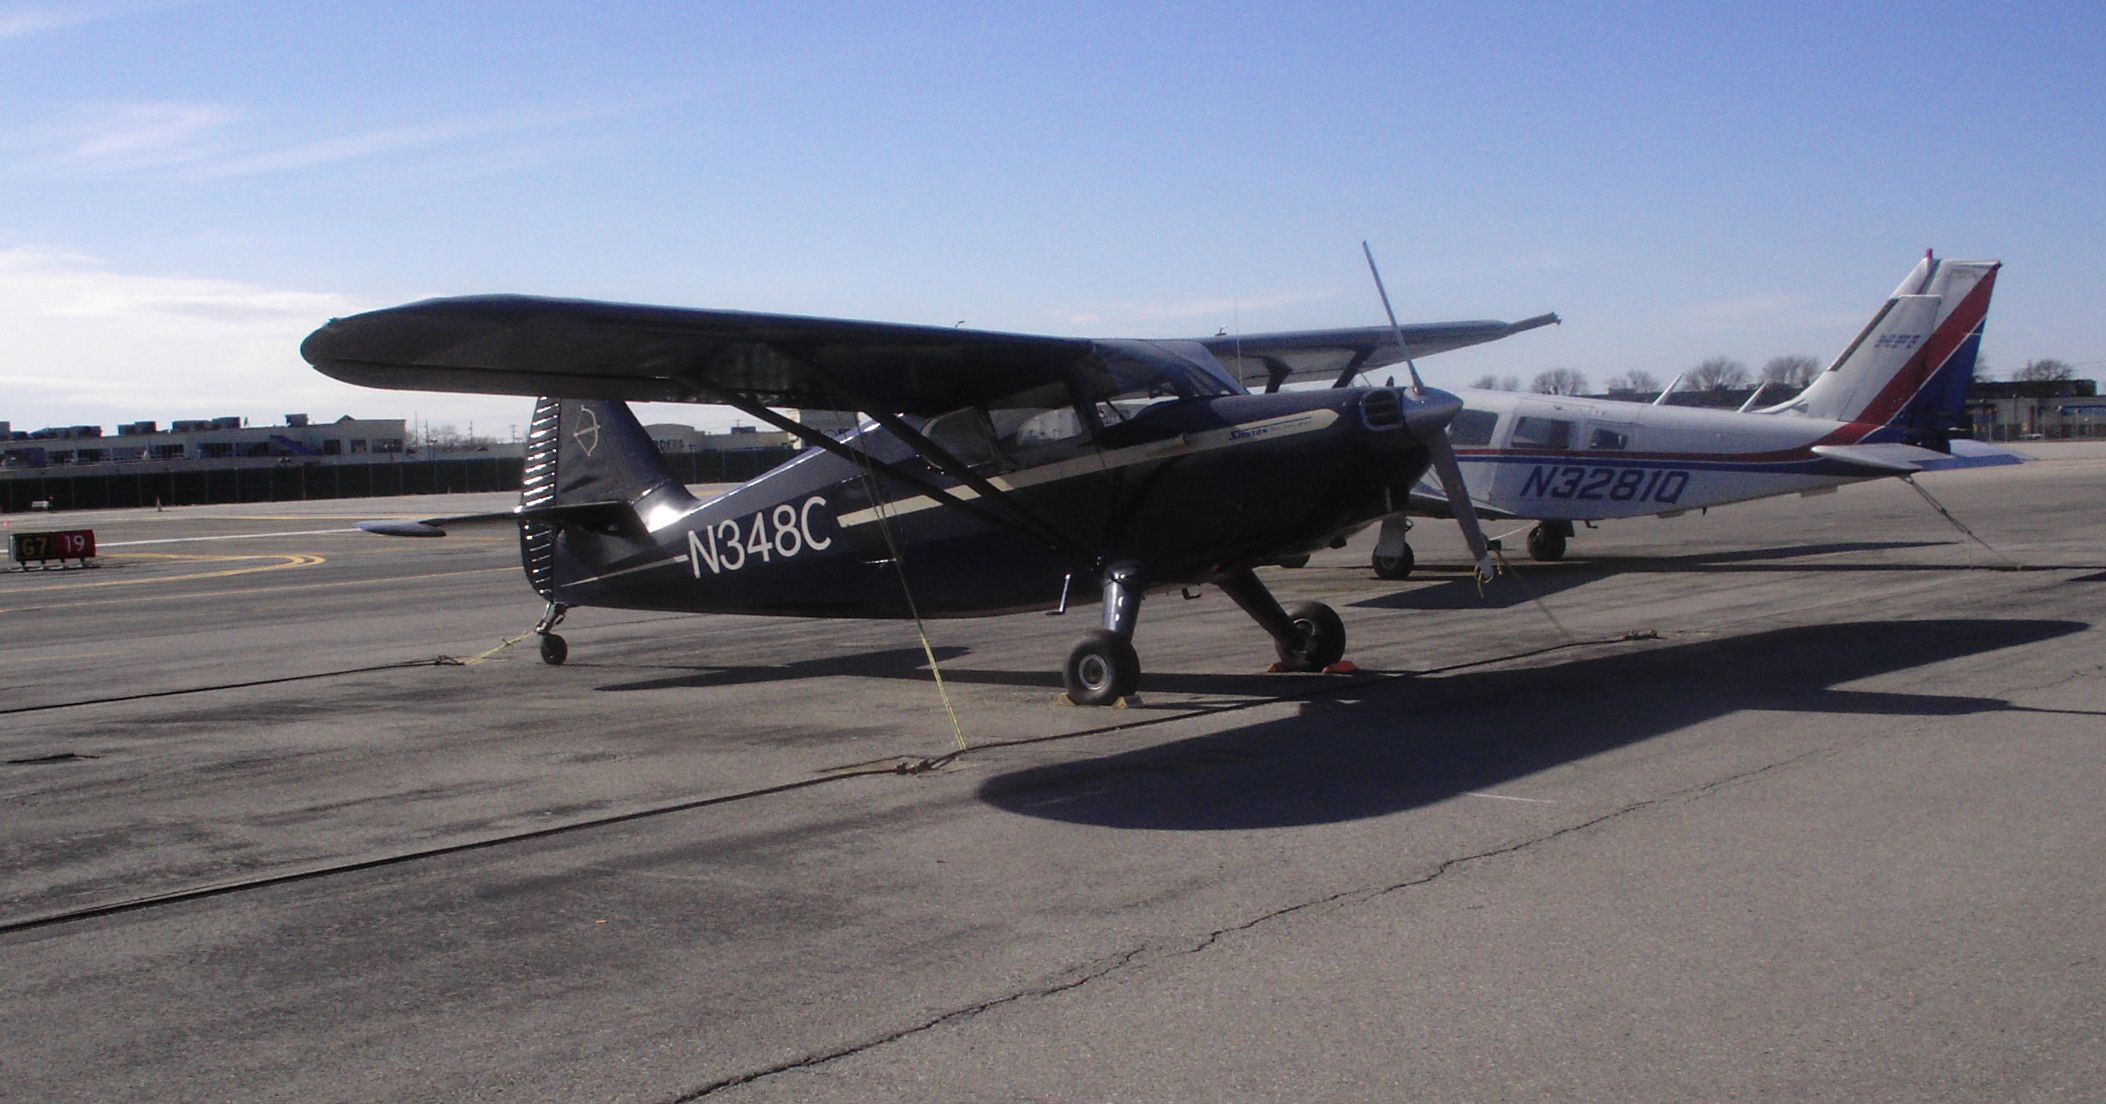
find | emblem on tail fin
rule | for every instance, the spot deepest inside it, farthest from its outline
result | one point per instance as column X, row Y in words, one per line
column 588, row 434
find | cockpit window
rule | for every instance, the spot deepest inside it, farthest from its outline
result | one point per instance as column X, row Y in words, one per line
column 1602, row 439
column 1472, row 428
column 1016, row 431
column 1125, row 378
column 1542, row 433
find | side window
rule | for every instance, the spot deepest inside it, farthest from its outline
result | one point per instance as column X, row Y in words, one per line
column 1472, row 428
column 1542, row 433
column 967, row 434
column 1603, row 439
column 1019, row 431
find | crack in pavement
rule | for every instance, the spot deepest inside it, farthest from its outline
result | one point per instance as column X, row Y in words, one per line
column 1112, row 964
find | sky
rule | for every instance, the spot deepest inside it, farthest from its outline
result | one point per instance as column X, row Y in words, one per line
column 188, row 189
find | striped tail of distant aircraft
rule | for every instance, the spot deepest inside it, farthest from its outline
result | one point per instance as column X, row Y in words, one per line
column 1889, row 405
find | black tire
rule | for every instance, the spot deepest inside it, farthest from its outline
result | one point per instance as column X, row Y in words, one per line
column 1293, row 561
column 1322, row 640
column 553, row 650
column 1101, row 669
column 1546, row 544
column 1394, row 567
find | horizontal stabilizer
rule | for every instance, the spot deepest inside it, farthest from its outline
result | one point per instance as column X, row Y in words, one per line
column 1898, row 459
column 438, row 526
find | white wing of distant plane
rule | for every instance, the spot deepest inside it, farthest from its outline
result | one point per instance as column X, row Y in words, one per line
column 1265, row 361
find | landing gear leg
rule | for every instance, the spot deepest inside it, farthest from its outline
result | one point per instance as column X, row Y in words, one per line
column 1546, row 542
column 553, row 648
column 1308, row 635
column 1393, row 558
column 1102, row 667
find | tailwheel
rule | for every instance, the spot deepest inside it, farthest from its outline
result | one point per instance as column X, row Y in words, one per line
column 1101, row 669
column 1547, row 542
column 1320, row 638
column 1393, row 567
column 553, row 650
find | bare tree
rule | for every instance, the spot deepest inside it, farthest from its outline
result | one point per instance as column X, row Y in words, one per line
column 1510, row 383
column 1486, row 382
column 1796, row 370
column 1559, row 381
column 2043, row 371
column 1719, row 374
column 1637, row 380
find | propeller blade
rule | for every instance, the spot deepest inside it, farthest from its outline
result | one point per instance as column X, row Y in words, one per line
column 1445, row 466
column 1450, row 473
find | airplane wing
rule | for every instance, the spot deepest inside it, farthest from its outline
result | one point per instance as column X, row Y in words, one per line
column 1899, row 459
column 1264, row 361
column 524, row 345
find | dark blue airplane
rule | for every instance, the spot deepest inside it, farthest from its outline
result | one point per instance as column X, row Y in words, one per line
column 991, row 472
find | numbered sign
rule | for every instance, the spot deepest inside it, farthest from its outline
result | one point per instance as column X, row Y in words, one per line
column 62, row 544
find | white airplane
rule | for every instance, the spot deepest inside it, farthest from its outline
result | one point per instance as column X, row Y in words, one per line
column 1886, row 407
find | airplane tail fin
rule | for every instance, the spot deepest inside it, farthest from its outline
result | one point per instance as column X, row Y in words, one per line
column 593, row 479
column 1909, row 369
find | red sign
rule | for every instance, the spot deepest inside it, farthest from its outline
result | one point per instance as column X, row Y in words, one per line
column 62, row 544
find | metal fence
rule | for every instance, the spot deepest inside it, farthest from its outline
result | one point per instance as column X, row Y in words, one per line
column 147, row 484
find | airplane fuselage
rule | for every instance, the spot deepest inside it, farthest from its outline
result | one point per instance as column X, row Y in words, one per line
column 1185, row 490
column 1551, row 457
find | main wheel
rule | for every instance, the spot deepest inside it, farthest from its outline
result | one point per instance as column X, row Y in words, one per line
column 1101, row 669
column 553, row 650
column 1546, row 544
column 1322, row 638
column 1394, row 567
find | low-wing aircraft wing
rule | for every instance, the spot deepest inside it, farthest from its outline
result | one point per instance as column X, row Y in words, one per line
column 1894, row 458
column 1263, row 362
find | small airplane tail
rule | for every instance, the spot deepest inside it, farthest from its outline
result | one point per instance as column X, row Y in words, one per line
column 1909, row 369
column 591, row 473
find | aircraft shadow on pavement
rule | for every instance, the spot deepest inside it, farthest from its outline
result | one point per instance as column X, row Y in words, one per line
column 1460, row 591
column 1414, row 742
column 901, row 663
column 911, row 665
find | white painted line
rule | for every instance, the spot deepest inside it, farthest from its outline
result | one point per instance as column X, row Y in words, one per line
column 1503, row 797
column 230, row 536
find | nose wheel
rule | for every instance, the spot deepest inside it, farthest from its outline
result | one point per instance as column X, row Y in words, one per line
column 1393, row 559
column 1546, row 542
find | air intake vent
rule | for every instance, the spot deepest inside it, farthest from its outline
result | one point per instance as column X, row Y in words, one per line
column 1382, row 408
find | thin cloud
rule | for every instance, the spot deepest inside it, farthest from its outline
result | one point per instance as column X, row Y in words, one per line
column 399, row 139
column 22, row 22
column 59, row 284
column 145, row 135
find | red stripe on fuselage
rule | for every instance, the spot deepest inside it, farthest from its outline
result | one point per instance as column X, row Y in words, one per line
column 1924, row 365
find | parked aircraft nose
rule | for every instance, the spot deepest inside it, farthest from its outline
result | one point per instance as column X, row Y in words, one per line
column 1424, row 418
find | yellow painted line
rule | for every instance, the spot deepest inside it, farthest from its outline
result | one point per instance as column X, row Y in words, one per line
column 248, row 592
column 282, row 560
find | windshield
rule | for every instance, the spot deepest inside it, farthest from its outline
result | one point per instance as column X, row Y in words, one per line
column 1127, row 377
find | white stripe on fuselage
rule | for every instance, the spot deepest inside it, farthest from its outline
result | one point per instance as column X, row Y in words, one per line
column 1285, row 425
